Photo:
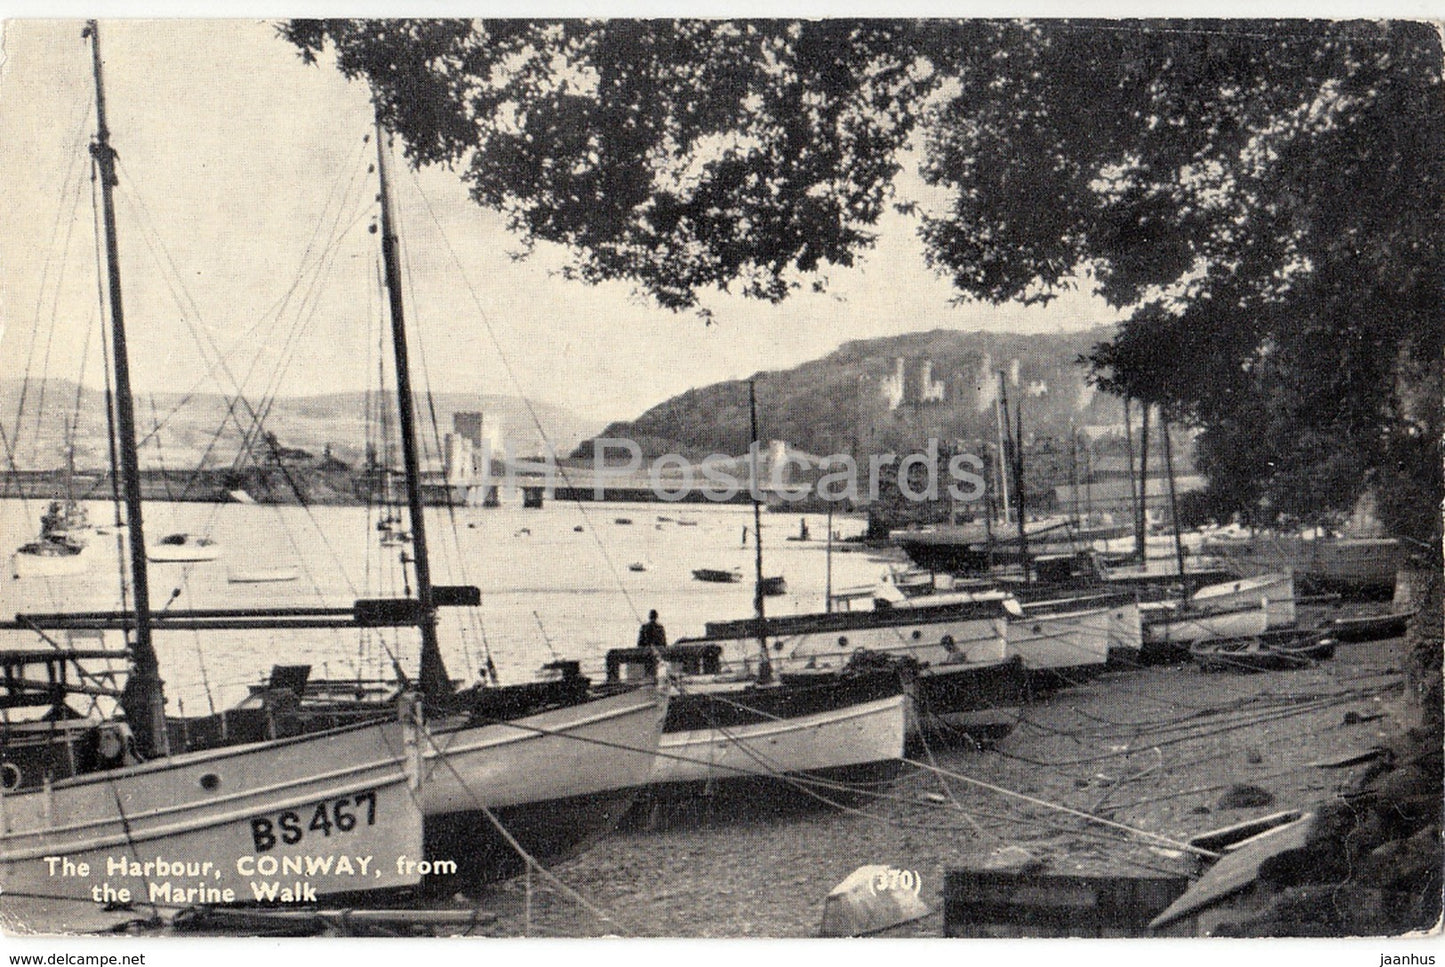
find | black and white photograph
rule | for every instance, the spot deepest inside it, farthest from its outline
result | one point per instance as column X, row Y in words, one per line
column 722, row 478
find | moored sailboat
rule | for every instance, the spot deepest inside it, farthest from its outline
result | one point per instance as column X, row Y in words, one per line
column 185, row 789
column 83, row 797
column 513, row 774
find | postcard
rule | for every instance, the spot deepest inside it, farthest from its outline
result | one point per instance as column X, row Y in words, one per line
column 721, row 479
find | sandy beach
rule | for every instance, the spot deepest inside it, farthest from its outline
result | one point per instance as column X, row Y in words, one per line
column 1165, row 751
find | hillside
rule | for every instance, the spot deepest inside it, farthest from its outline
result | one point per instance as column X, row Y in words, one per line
column 854, row 398
column 190, row 424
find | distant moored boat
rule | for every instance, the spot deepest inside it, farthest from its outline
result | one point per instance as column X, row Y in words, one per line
column 716, row 575
column 263, row 575
column 183, row 548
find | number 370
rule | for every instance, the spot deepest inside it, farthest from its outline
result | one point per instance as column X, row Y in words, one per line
column 891, row 879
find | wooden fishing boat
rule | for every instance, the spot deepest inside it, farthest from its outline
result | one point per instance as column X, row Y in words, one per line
column 1062, row 641
column 188, row 789
column 1168, row 627
column 1263, row 654
column 966, row 681
column 93, row 806
column 514, row 774
column 214, row 828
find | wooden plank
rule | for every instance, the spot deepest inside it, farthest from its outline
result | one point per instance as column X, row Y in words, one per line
column 991, row 903
column 1217, row 840
column 1237, row 869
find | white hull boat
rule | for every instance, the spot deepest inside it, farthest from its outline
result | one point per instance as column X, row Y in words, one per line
column 949, row 633
column 1050, row 639
column 1168, row 625
column 833, row 745
column 1275, row 590
column 49, row 559
column 966, row 680
column 554, row 781
column 230, row 825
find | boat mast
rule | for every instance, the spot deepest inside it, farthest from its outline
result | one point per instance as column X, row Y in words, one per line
column 1142, row 515
column 765, row 667
column 1173, row 502
column 144, row 703
column 828, row 564
column 1000, row 412
column 1016, row 466
column 434, row 680
column 1019, row 485
column 988, row 506
column 1074, row 469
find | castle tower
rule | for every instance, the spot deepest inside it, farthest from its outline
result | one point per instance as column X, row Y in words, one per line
column 892, row 386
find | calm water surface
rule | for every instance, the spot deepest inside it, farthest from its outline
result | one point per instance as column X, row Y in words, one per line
column 548, row 590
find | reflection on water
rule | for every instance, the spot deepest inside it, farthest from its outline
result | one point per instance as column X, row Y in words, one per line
column 548, row 589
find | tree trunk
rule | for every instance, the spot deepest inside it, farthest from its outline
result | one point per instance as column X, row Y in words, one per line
column 1419, row 587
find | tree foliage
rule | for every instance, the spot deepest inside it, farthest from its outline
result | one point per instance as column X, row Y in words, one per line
column 682, row 155
column 1264, row 195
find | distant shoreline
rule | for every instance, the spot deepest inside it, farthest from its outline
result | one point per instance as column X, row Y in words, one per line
column 311, row 486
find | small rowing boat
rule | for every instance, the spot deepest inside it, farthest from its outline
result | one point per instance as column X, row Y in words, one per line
column 1370, row 628
column 1263, row 653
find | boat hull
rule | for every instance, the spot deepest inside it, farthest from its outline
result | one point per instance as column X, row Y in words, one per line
column 1061, row 647
column 712, row 576
column 835, row 733
column 929, row 635
column 548, row 831
column 1261, row 656
column 1359, row 567
column 181, row 555
column 980, row 701
column 235, row 808
column 1169, row 632
column 1274, row 590
column 25, row 565
column 580, row 765
column 1370, row 628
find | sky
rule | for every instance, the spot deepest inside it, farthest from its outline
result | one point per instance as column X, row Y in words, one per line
column 229, row 149
column 232, row 153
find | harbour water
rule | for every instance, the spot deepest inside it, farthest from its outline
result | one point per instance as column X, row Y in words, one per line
column 549, row 590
